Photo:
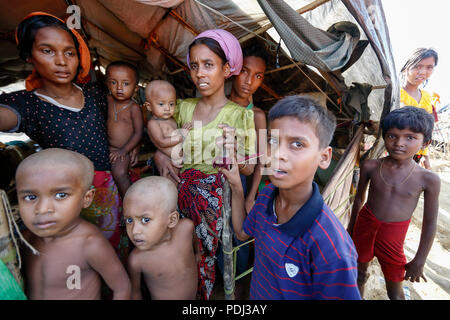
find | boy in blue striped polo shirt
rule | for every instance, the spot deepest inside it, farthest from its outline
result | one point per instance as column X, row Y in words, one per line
column 301, row 249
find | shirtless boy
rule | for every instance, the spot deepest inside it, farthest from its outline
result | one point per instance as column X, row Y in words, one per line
column 164, row 251
column 162, row 129
column 53, row 186
column 125, row 122
column 396, row 182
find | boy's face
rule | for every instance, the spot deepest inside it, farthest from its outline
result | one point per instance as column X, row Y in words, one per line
column 251, row 77
column 403, row 143
column 294, row 152
column 51, row 198
column 147, row 223
column 162, row 102
column 121, row 82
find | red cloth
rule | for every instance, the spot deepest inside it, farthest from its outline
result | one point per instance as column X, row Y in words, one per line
column 200, row 199
column 383, row 240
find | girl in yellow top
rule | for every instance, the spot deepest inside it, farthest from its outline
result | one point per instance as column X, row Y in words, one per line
column 414, row 73
column 213, row 56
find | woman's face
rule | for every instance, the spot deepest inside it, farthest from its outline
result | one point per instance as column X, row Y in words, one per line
column 420, row 72
column 54, row 55
column 207, row 70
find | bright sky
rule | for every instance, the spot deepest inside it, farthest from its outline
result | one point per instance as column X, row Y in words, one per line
column 421, row 23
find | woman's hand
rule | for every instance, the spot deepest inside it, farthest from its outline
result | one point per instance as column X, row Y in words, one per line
column 165, row 167
column 227, row 141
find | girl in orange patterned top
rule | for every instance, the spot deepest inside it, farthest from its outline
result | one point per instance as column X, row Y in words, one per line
column 414, row 73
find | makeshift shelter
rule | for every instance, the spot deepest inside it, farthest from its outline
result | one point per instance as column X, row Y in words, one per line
column 335, row 50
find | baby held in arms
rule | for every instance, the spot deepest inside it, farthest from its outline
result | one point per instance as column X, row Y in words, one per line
column 161, row 101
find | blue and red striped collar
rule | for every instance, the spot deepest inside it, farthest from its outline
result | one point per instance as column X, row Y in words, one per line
column 303, row 218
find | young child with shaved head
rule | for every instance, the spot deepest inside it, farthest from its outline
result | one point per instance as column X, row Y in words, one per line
column 53, row 186
column 164, row 252
column 160, row 99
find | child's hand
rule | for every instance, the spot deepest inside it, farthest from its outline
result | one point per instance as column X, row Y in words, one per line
column 414, row 271
column 227, row 140
column 187, row 126
column 116, row 154
column 232, row 175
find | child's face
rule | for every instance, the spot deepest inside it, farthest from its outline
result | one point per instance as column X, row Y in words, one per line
column 121, row 82
column 251, row 77
column 51, row 198
column 54, row 55
column 162, row 102
column 294, row 152
column 422, row 71
column 403, row 143
column 147, row 224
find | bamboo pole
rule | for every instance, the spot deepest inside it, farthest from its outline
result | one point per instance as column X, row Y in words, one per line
column 227, row 235
column 227, row 242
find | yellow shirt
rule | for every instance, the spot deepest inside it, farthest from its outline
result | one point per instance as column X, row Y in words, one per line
column 199, row 146
column 424, row 103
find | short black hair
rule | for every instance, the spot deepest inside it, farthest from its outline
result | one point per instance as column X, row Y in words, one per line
column 409, row 117
column 306, row 110
column 27, row 29
column 256, row 50
column 121, row 63
column 213, row 45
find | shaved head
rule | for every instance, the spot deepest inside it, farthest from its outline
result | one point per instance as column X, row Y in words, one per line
column 58, row 157
column 160, row 85
column 158, row 191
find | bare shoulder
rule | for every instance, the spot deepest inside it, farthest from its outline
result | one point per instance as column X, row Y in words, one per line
column 259, row 113
column 135, row 107
column 185, row 226
column 430, row 179
column 93, row 238
column 370, row 164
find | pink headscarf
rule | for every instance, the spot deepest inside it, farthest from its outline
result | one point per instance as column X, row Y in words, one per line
column 230, row 46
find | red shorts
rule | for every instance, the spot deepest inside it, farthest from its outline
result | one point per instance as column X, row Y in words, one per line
column 383, row 240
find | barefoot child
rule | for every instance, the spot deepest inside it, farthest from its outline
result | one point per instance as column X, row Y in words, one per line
column 301, row 249
column 53, row 186
column 379, row 227
column 164, row 252
column 125, row 123
column 161, row 101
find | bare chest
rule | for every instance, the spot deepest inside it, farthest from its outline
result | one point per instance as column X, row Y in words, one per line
column 59, row 272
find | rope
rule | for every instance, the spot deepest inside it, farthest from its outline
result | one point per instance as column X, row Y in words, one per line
column 11, row 222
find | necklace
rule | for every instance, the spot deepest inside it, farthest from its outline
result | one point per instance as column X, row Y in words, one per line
column 116, row 112
column 404, row 180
